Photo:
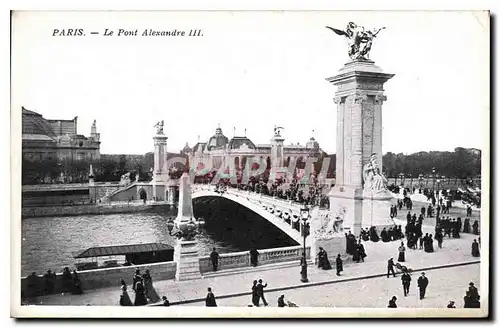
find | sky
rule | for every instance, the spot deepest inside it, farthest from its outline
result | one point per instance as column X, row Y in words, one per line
column 251, row 70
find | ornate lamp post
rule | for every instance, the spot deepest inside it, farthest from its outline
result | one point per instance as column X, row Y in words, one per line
column 186, row 231
column 304, row 215
column 433, row 176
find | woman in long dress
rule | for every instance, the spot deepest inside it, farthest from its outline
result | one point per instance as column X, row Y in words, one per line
column 401, row 249
column 124, row 297
column 150, row 291
column 323, row 261
column 140, row 294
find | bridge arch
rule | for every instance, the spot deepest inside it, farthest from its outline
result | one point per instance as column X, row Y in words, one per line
column 281, row 214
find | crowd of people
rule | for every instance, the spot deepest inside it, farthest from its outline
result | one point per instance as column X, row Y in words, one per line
column 312, row 193
column 142, row 285
column 50, row 283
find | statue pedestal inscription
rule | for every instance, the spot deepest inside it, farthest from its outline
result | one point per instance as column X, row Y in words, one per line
column 360, row 196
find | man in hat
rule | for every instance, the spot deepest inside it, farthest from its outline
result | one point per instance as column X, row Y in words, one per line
column 281, row 301
column 390, row 268
column 473, row 293
column 260, row 291
column 214, row 256
column 422, row 283
column 406, row 280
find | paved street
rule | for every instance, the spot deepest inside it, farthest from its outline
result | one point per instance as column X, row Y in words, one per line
column 454, row 250
column 444, row 285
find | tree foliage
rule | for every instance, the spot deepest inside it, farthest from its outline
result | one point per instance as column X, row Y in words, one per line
column 462, row 163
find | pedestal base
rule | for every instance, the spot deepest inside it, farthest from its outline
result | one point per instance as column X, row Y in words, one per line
column 333, row 246
column 359, row 209
column 376, row 212
column 186, row 257
column 347, row 203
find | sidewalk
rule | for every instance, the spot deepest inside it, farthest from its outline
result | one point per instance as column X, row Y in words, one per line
column 453, row 251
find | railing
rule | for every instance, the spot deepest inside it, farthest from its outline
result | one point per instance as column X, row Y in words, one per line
column 266, row 256
column 287, row 212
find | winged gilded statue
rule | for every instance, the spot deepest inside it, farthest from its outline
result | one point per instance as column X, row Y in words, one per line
column 360, row 40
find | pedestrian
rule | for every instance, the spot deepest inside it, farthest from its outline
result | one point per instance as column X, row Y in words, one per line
column 392, row 302
column 255, row 294
column 475, row 249
column 254, row 257
column 260, row 292
column 390, row 267
column 77, row 284
column 137, row 277
column 165, row 301
column 362, row 253
column 401, row 249
column 323, row 261
column 422, row 283
column 338, row 263
column 451, row 305
column 214, row 256
column 281, row 301
column 421, row 242
column 149, row 289
column 210, row 299
column 473, row 291
column 406, row 280
column 140, row 294
column 124, row 297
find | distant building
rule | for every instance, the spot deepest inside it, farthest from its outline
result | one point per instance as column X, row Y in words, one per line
column 219, row 151
column 57, row 139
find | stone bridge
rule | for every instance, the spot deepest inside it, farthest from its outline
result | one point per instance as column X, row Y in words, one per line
column 283, row 214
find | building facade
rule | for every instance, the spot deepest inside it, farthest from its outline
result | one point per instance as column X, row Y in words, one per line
column 220, row 151
column 57, row 139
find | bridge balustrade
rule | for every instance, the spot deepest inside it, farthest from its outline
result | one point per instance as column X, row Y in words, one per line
column 266, row 256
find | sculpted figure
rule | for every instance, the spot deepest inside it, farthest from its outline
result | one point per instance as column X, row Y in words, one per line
column 373, row 179
column 159, row 127
column 360, row 40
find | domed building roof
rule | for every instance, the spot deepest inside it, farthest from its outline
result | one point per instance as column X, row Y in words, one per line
column 218, row 140
column 35, row 125
column 241, row 142
column 312, row 143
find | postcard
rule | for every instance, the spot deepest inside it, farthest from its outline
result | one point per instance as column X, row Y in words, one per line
column 227, row 163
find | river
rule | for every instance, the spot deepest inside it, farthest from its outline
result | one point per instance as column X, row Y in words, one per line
column 50, row 242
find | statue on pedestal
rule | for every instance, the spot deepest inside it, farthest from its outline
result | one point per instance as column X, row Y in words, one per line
column 360, row 40
column 159, row 127
column 373, row 179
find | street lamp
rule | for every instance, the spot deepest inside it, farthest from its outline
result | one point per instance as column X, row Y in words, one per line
column 401, row 177
column 304, row 215
column 433, row 176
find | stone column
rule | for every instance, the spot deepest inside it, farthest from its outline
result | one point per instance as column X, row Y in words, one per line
column 186, row 251
column 359, row 99
column 160, row 172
